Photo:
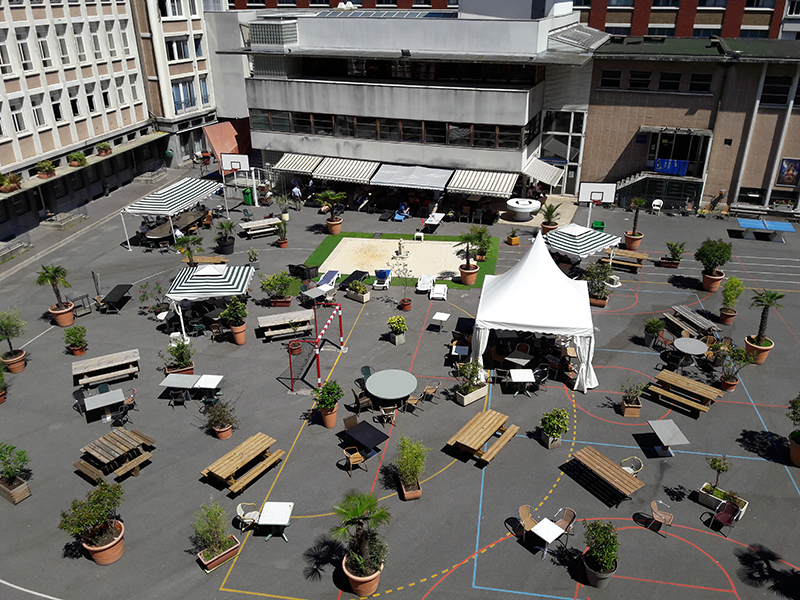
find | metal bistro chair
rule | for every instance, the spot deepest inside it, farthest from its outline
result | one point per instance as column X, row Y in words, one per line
column 362, row 402
column 526, row 519
column 430, row 391
column 119, row 417
column 350, row 422
column 632, row 464
column 388, row 413
column 659, row 516
column 178, row 397
column 130, row 399
column 103, row 388
column 566, row 521
column 354, row 458
column 726, row 514
column 413, row 403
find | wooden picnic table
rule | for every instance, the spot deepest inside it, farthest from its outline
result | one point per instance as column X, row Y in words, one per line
column 608, row 471
column 105, row 368
column 182, row 222
column 694, row 319
column 479, row 430
column 252, row 228
column 280, row 324
column 254, row 447
column 120, row 450
column 206, row 260
column 624, row 258
column 705, row 393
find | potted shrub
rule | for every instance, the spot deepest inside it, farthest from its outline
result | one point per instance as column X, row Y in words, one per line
column 77, row 159
column 209, row 534
column 189, row 245
column 549, row 214
column 94, row 523
column 103, row 149
column 484, row 241
column 328, row 397
column 711, row 495
column 397, row 329
column 54, row 276
column 410, row 466
column 332, row 199
column 794, row 437
column 366, row 551
column 178, row 358
column 12, row 463
column 731, row 291
column 3, row 384
column 221, row 419
column 470, row 241
column 470, row 387
column 12, row 326
column 513, row 238
column 602, row 552
column 156, row 293
column 277, row 287
column 252, row 258
column 760, row 345
column 632, row 399
column 282, row 241
column 75, row 338
column 358, row 291
column 634, row 237
column 733, row 361
column 225, row 236
column 295, row 346
column 676, row 250
column 554, row 424
column 401, row 271
column 283, row 203
column 45, row 169
column 596, row 276
column 234, row 317
column 652, row 327
column 13, row 181
column 713, row 254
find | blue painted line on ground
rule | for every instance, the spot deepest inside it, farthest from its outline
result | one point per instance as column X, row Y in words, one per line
column 672, row 449
column 480, row 506
column 490, row 589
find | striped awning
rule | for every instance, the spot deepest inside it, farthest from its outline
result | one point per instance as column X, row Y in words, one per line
column 210, row 281
column 416, row 178
column 175, row 198
column 301, row 164
column 579, row 241
column 542, row 171
column 344, row 169
column 483, row 183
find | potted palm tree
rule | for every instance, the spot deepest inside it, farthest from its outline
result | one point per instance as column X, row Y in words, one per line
column 283, row 203
column 358, row 291
column 252, row 258
column 484, row 241
column 189, row 245
column 733, row 361
column 469, row 243
column 76, row 159
column 676, row 250
column 513, row 238
column 282, row 241
column 602, row 554
column 652, row 327
column 178, row 357
column 234, row 317
column 45, row 169
column 216, row 548
column 95, row 524
column 549, row 215
column 221, row 419
column 554, row 424
column 410, row 467
column 75, row 338
column 470, row 387
column 328, row 397
column 277, row 287
column 12, row 326
column 634, row 237
column 731, row 291
column 12, row 463
column 794, row 438
column 360, row 518
column 225, row 236
column 397, row 329
column 713, row 254
column 760, row 345
column 332, row 199
column 632, row 399
column 54, row 276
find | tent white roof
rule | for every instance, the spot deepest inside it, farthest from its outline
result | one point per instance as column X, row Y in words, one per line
column 174, row 198
column 210, row 281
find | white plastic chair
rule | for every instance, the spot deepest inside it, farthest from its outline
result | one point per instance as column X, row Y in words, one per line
column 439, row 292
column 656, row 206
column 425, row 283
column 247, row 517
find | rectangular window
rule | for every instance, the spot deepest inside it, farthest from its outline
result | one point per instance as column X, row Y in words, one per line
column 459, row 134
column 75, row 181
column 556, row 121
column 280, row 121
column 174, row 8
column 435, row 133
column 193, row 7
column 669, row 82
column 411, row 130
column 198, row 46
column 367, row 128
column 611, row 79
column 134, row 93
column 24, row 50
column 618, row 29
column 259, row 119
column 344, row 126
column 759, row 4
column 713, row 3
column 77, row 31
column 123, row 30
column 794, row 8
column 16, row 115
column 112, row 45
column 754, row 33
column 509, row 137
column 177, row 49
column 301, row 122
column 620, row 2
column 700, row 82
column 63, row 48
column 639, row 80
column 183, row 96
column 5, row 63
column 704, row 33
column 38, row 111
column 120, row 83
column 389, row 130
column 666, row 3
column 533, row 129
column 55, row 103
column 73, row 102
column 204, row 91
column 104, row 93
column 666, row 31
column 323, row 124
column 776, row 90
column 484, row 136
column 93, row 32
column 44, row 46
column 90, row 98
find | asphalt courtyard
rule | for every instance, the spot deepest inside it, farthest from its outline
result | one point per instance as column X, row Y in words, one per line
column 454, row 542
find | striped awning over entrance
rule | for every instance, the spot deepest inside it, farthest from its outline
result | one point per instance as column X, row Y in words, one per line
column 210, row 281
column 301, row 164
column 344, row 169
column 415, row 178
column 579, row 241
column 542, row 171
column 483, row 183
column 175, row 198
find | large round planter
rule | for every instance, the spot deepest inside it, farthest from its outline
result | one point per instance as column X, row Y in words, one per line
column 632, row 241
column 47, row 175
column 548, row 228
column 334, row 226
column 226, row 247
column 17, row 363
column 711, row 282
column 727, row 386
column 64, row 317
column 17, row 491
column 224, row 433
column 362, row 586
column 598, row 580
column 727, row 315
column 110, row 553
column 182, row 371
column 215, row 561
column 77, row 351
column 405, row 304
column 759, row 353
column 468, row 276
column 239, row 334
column 410, row 493
column 794, row 452
column 329, row 416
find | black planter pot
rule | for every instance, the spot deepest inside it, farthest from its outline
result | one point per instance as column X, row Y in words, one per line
column 226, row 247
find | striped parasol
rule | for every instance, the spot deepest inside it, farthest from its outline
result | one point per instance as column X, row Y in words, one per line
column 175, row 198
column 210, row 281
column 579, row 241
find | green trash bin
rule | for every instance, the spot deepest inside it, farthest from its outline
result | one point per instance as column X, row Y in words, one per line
column 598, row 225
column 247, row 194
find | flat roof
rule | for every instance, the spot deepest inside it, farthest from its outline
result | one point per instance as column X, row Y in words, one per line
column 700, row 49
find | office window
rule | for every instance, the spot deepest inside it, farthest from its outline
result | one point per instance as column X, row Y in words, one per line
column 639, row 80
column 44, row 46
column 77, row 31
column 620, row 2
column 794, row 8
column 280, row 121
column 38, row 111
column 93, row 32
column 667, row 31
column 73, row 102
column 104, row 85
column 484, row 136
column 704, row 33
column 389, row 130
column 610, row 79
column 112, row 45
column 323, row 124
column 24, row 50
column 198, row 46
column 700, row 82
column 556, row 121
column 411, row 131
column 367, row 128
column 754, row 33
column 759, row 4
column 776, row 90
column 134, row 92
column 204, row 91
column 5, row 63
column 16, row 115
column 183, row 96
column 666, row 3
column 344, row 126
column 170, row 8
column 301, row 122
column 669, row 82
column 55, row 104
column 618, row 29
column 177, row 49
column 509, row 136
column 120, row 83
column 435, row 133
column 123, row 30
column 193, row 7
column 713, row 3
column 63, row 48
column 459, row 134
column 90, row 97
column 584, row 3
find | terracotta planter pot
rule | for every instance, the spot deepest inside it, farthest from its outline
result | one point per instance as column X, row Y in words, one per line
column 284, row 301
column 405, row 304
column 295, row 348
column 17, row 363
column 74, row 163
column 668, row 263
column 362, row 586
column 726, row 315
column 334, row 226
column 548, row 228
column 64, row 317
column 2, row 396
column 727, row 386
column 468, row 276
column 77, row 351
column 759, row 353
column 47, row 175
column 711, row 282
column 16, row 492
column 224, row 433
column 480, row 257
column 597, row 302
column 632, row 241
column 7, row 189
column 512, row 241
column 329, row 416
column 282, row 243
column 182, row 371
column 110, row 553
column 239, row 334
column 596, row 579
column 104, row 152
column 794, row 452
column 410, row 493
column 214, row 562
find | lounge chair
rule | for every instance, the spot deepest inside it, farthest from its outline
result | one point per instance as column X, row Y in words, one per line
column 439, row 292
column 425, row 283
column 328, row 280
column 382, row 279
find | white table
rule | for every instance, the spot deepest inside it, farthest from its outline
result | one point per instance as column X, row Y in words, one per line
column 522, row 208
column 669, row 434
column 691, row 347
column 103, row 400
column 549, row 532
column 459, row 351
column 276, row 514
column 208, row 382
column 522, row 377
column 434, row 219
column 178, row 380
column 518, row 357
column 391, row 384
column 441, row 317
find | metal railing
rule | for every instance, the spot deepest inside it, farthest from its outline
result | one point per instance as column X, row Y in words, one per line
column 23, row 240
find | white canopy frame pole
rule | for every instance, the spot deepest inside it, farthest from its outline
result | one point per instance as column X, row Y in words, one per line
column 589, row 218
column 125, row 229
column 253, row 187
column 225, row 192
column 177, row 308
column 172, row 230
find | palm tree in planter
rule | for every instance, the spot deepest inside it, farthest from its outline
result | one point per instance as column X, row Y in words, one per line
column 178, row 357
column 484, row 241
column 554, row 424
column 234, row 317
column 75, row 338
column 282, row 241
column 794, row 438
column 632, row 398
column 12, row 326
column 214, row 545
column 56, row 276
column 470, row 242
column 397, row 329
column 733, row 361
column 676, row 250
column 601, row 557
column 94, row 523
column 331, row 199
column 12, row 463
column 277, row 287
column 634, row 237
column 410, row 466
column 549, row 214
column 652, row 327
column 760, row 345
column 328, row 397
column 221, row 419
column 360, row 517
column 513, row 238
column 189, row 245
column 731, row 291
column 713, row 254
column 470, row 385
column 225, row 236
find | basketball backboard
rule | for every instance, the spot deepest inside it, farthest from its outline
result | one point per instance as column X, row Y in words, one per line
column 235, row 162
column 597, row 192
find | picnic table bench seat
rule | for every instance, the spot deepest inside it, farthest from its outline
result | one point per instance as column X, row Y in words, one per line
column 618, row 262
column 660, row 392
column 260, row 227
column 133, row 465
column 498, row 445
column 206, row 260
column 279, row 324
column 106, row 368
column 608, row 471
column 254, row 448
column 93, row 473
column 253, row 473
column 479, row 430
column 679, row 324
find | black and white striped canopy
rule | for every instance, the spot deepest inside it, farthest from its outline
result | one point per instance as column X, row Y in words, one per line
column 210, row 281
column 579, row 241
column 175, row 198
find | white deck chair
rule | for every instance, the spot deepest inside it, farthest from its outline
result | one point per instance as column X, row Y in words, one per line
column 425, row 283
column 655, row 208
column 382, row 279
column 439, row 292
column 328, row 280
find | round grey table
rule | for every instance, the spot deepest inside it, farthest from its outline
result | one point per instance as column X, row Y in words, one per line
column 392, row 384
column 691, row 347
column 522, row 208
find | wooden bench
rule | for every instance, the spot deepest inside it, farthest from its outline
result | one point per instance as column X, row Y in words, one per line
column 206, row 260
column 256, row 471
column 279, row 324
column 256, row 447
column 506, row 437
column 662, row 393
column 699, row 322
column 91, row 472
column 702, row 392
column 105, row 368
column 133, row 465
column 617, row 262
column 111, row 376
column 680, row 325
column 259, row 227
column 608, row 471
column 145, row 439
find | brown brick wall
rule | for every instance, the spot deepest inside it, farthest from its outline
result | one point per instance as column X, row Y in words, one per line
column 663, row 17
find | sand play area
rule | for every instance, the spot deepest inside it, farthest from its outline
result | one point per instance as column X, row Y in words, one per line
column 367, row 254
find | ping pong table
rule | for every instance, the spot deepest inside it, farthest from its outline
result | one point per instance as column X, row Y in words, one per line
column 770, row 229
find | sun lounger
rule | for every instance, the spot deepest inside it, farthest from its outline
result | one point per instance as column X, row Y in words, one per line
column 328, row 280
column 425, row 283
column 382, row 279
column 439, row 292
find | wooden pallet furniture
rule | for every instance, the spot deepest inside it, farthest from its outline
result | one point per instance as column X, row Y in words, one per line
column 661, row 393
column 260, row 227
column 697, row 321
column 679, row 326
column 479, row 430
column 121, row 451
column 609, row 471
column 280, row 324
column 688, row 392
column 254, row 448
column 105, row 368
column 625, row 258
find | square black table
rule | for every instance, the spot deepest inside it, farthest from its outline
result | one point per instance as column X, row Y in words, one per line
column 366, row 435
column 115, row 296
column 355, row 276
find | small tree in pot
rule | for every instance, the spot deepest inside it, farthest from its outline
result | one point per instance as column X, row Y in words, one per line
column 554, row 424
column 189, row 245
column 225, row 236
column 209, row 534
column 733, row 361
column 794, row 438
column 410, row 466
column 12, row 326
column 401, row 271
column 397, row 329
column 549, row 214
column 652, row 327
column 234, row 317
column 178, row 357
column 282, row 240
column 328, row 397
column 513, row 238
column 634, row 237
column 596, row 276
column 713, row 254
column 760, row 345
column 332, row 199
column 602, row 554
column 94, row 523
column 676, row 250
column 277, row 287
column 45, row 169
column 469, row 244
column 631, row 398
column 56, row 276
column 731, row 291
column 221, row 419
column 470, row 385
column 12, row 463
column 75, row 338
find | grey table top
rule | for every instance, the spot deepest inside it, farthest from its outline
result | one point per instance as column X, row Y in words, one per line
column 391, row 384
column 179, row 380
column 668, row 432
column 691, row 346
column 106, row 399
column 518, row 357
column 521, row 375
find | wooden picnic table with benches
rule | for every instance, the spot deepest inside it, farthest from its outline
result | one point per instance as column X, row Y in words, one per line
column 608, row 471
column 624, row 258
column 696, row 321
column 281, row 323
column 479, row 430
column 120, row 451
column 254, row 447
column 252, row 228
column 694, row 395
column 106, row 368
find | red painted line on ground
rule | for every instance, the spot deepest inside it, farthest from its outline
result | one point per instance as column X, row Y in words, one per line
column 380, row 462
column 696, row 587
column 419, row 341
column 782, row 406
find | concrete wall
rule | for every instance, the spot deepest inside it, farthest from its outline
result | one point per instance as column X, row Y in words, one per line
column 513, row 9
column 230, row 70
